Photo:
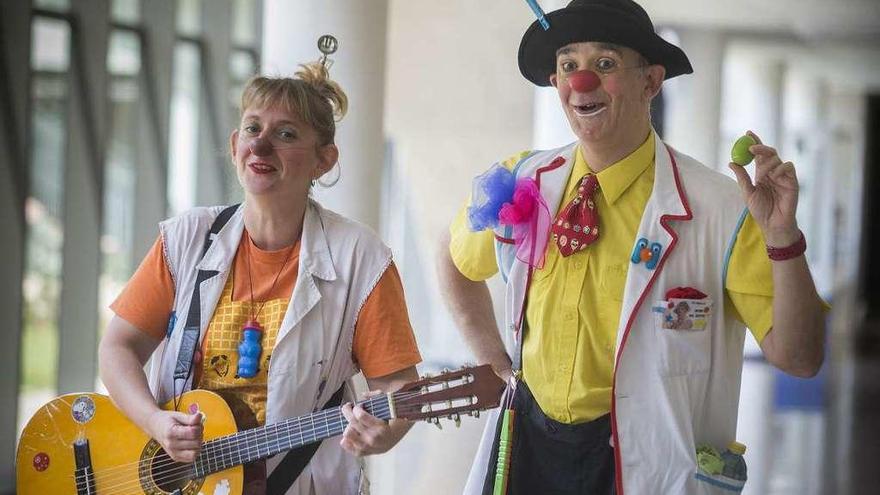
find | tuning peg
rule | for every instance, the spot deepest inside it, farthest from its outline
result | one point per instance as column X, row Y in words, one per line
column 476, row 413
column 457, row 418
column 437, row 423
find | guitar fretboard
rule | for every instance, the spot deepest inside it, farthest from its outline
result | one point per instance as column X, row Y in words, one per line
column 258, row 443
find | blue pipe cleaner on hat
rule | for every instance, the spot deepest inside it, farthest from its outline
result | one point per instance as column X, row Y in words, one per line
column 539, row 13
column 491, row 190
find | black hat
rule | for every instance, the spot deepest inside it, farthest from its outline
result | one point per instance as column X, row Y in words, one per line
column 622, row 22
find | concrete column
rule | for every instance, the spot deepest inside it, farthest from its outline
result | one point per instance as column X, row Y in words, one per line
column 83, row 197
column 693, row 101
column 151, row 192
column 290, row 33
column 215, row 123
column 15, row 43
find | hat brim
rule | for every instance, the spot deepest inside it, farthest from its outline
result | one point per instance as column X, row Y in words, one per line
column 537, row 50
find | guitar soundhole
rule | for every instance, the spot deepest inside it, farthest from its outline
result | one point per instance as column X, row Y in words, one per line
column 160, row 475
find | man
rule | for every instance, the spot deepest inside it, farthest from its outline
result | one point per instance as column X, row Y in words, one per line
column 614, row 381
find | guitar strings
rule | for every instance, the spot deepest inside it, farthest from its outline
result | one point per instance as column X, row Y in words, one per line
column 210, row 446
column 205, row 461
column 227, row 449
column 213, row 447
column 289, row 427
column 216, row 443
column 187, row 472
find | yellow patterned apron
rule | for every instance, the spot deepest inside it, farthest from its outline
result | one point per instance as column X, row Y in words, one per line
column 220, row 360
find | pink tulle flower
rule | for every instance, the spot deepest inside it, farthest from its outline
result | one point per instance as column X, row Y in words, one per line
column 520, row 209
column 528, row 214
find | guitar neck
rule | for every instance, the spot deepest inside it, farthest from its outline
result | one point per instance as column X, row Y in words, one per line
column 259, row 443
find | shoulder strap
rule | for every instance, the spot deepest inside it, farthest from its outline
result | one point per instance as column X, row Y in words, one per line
column 289, row 469
column 190, row 338
column 219, row 222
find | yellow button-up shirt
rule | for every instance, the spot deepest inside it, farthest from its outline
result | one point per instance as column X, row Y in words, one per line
column 574, row 302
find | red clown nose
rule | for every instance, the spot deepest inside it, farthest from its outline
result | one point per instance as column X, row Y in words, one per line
column 583, row 81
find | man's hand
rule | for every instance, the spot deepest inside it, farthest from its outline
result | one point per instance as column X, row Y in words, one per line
column 178, row 433
column 772, row 197
column 795, row 343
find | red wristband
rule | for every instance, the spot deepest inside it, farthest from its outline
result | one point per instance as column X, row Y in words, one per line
column 788, row 252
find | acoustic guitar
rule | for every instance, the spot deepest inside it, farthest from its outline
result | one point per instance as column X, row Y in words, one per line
column 82, row 444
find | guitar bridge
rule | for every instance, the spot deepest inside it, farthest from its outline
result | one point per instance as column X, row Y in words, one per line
column 83, row 474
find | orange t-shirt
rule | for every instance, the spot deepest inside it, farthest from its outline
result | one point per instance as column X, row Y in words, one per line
column 383, row 339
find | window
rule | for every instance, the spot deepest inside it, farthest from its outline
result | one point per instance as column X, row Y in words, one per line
column 120, row 170
column 50, row 61
column 183, row 140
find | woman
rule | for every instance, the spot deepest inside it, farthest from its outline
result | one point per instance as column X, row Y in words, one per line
column 318, row 293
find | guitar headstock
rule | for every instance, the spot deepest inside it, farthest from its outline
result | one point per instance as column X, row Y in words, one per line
column 450, row 394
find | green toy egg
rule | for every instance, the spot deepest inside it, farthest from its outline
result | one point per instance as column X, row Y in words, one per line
column 740, row 153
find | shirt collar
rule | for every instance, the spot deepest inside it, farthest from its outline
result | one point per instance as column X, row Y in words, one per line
column 616, row 179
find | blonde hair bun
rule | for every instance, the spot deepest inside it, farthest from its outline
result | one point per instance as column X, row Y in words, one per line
column 315, row 74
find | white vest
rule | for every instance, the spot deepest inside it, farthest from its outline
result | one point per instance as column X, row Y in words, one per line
column 340, row 263
column 672, row 389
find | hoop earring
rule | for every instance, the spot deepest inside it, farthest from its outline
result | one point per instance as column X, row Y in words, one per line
column 329, row 184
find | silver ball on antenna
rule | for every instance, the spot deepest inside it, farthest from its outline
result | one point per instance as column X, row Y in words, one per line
column 327, row 44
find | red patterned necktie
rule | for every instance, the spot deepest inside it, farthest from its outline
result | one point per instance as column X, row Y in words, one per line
column 577, row 225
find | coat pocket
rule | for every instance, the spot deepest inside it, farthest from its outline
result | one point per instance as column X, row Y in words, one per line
column 683, row 333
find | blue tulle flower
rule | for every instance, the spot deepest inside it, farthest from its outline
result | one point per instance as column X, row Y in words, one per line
column 491, row 190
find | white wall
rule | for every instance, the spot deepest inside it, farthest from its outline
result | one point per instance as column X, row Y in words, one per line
column 455, row 103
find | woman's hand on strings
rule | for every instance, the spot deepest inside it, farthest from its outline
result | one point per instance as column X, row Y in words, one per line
column 180, row 434
column 367, row 434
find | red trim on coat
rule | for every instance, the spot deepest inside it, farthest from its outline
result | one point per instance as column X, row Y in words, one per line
column 618, row 468
column 504, row 240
